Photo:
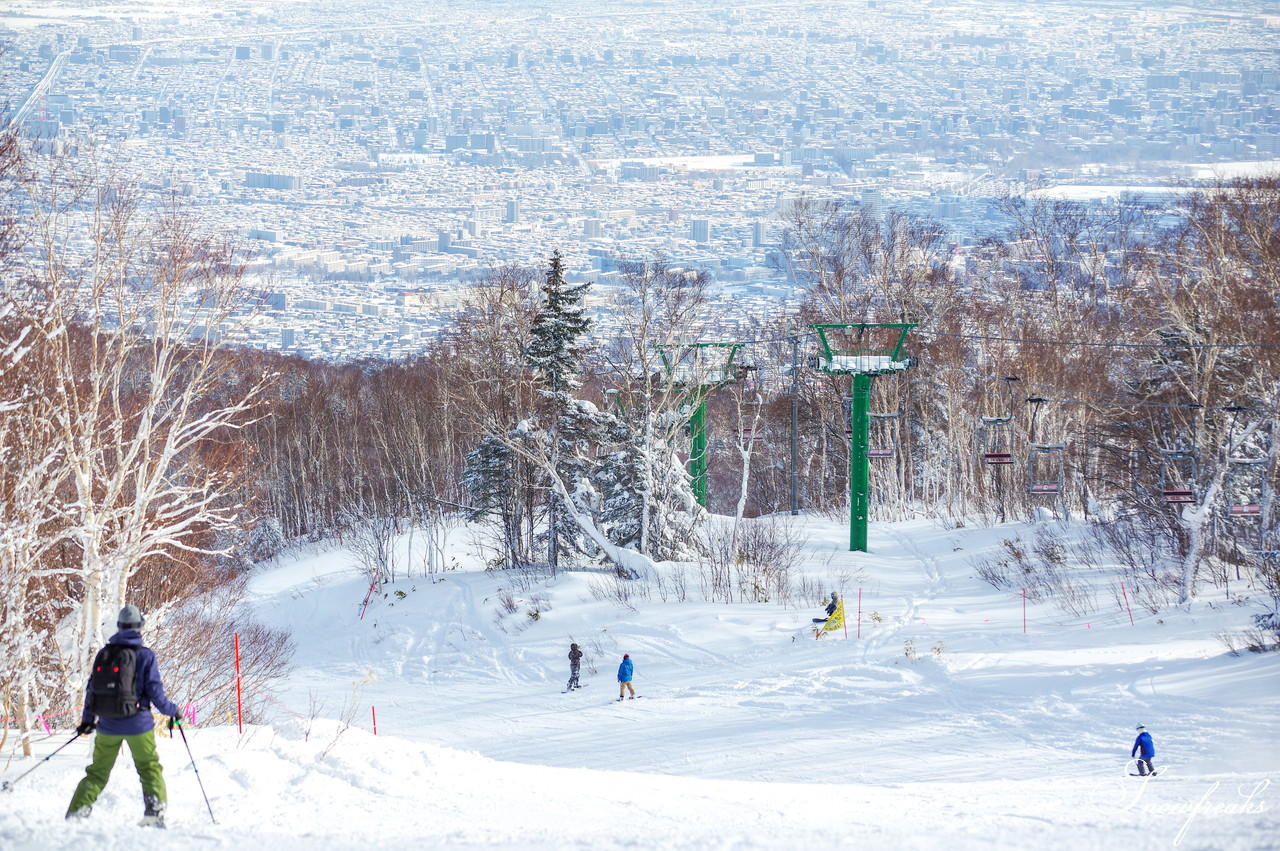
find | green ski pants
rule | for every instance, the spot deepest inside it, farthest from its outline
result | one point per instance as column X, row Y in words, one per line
column 105, row 750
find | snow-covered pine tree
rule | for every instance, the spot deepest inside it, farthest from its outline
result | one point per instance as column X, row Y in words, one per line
column 644, row 482
column 488, row 479
column 621, row 481
column 555, row 352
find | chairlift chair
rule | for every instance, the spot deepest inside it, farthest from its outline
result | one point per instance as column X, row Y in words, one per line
column 1046, row 468
column 884, row 440
column 1178, row 472
column 1245, row 481
column 997, row 440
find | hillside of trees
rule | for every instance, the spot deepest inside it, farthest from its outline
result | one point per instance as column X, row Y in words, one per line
column 1127, row 357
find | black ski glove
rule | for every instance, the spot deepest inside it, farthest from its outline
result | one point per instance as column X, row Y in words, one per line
column 86, row 728
column 175, row 721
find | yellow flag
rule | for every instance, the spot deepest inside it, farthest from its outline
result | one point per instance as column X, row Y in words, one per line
column 836, row 621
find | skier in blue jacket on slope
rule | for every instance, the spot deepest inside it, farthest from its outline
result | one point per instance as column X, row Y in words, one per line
column 1144, row 749
column 625, row 672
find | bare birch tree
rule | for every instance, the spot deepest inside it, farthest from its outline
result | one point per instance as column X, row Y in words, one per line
column 130, row 309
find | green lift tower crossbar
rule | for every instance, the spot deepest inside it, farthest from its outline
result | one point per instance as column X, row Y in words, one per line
column 851, row 349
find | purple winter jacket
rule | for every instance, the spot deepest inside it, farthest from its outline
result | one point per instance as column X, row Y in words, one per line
column 147, row 686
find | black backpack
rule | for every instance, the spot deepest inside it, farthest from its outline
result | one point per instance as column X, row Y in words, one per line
column 113, row 683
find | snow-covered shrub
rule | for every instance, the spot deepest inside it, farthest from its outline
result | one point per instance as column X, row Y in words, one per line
column 1265, row 634
column 621, row 590
column 749, row 560
column 672, row 582
column 194, row 641
column 1042, row 570
column 1142, row 550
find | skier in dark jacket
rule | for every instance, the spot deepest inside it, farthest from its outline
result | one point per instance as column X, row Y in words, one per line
column 1144, row 749
column 575, row 664
column 625, row 672
column 136, row 730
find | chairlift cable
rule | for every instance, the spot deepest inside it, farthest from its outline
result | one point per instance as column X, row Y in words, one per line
column 1117, row 345
column 1082, row 399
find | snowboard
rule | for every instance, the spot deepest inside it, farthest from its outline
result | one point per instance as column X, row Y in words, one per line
column 1131, row 768
column 580, row 685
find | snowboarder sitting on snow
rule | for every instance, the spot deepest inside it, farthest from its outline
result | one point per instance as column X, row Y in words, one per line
column 126, row 718
column 575, row 664
column 1144, row 750
column 831, row 609
column 625, row 672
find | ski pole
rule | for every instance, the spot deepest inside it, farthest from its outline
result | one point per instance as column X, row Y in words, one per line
column 193, row 768
column 7, row 786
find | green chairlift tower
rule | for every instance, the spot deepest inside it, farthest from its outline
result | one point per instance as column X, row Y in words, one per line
column 862, row 351
column 695, row 369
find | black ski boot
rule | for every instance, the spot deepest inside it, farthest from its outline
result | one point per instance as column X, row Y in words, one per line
column 154, row 814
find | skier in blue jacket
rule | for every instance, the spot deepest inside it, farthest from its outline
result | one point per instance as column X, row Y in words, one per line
column 136, row 730
column 1144, row 749
column 625, row 671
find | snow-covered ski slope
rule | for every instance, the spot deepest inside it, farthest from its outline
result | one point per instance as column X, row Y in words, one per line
column 751, row 734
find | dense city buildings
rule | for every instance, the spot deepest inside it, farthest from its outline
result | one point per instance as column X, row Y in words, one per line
column 375, row 154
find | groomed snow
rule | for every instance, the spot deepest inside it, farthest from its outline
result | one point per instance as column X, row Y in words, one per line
column 750, row 734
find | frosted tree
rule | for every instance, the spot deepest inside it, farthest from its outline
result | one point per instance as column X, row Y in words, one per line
column 555, row 353
column 130, row 310
column 1211, row 303
column 659, row 306
column 492, row 391
column 645, row 500
column 858, row 264
column 490, row 477
column 32, row 470
column 748, row 402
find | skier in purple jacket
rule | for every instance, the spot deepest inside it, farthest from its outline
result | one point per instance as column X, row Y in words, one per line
column 135, row 729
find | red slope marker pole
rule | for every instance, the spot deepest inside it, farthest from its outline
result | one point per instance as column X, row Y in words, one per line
column 374, row 711
column 239, row 704
column 1126, row 603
